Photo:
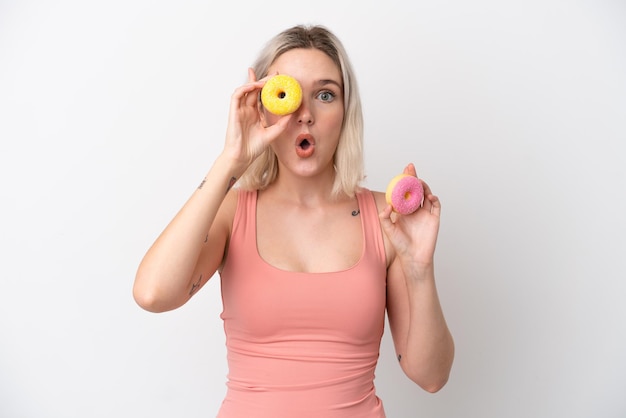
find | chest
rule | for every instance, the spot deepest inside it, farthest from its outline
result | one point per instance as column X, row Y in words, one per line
column 304, row 273
column 313, row 242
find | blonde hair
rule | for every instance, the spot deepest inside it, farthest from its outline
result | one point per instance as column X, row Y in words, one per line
column 348, row 159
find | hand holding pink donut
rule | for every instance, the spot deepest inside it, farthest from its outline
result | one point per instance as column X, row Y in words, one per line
column 415, row 235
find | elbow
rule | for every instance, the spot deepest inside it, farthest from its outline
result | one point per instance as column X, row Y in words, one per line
column 433, row 375
column 431, row 382
column 151, row 302
column 149, row 297
column 434, row 386
column 146, row 300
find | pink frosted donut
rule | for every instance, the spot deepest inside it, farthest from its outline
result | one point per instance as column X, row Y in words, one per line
column 405, row 193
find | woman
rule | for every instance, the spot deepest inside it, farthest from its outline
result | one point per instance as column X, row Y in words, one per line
column 309, row 260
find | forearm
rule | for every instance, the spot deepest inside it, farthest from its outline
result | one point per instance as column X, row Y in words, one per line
column 430, row 347
column 167, row 273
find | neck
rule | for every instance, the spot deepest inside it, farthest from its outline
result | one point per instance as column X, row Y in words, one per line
column 304, row 190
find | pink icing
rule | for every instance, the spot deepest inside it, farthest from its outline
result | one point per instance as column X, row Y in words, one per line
column 407, row 195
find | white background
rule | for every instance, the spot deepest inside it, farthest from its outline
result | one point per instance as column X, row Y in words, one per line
column 513, row 111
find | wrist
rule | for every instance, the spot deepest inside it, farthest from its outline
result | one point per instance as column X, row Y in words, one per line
column 229, row 166
column 419, row 272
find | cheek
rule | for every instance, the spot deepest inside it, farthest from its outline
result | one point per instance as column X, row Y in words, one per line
column 330, row 116
column 335, row 122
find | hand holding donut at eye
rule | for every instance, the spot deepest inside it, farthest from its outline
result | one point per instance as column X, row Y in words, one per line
column 281, row 95
column 405, row 193
column 247, row 136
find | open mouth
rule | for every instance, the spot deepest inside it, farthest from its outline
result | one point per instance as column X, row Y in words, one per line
column 305, row 145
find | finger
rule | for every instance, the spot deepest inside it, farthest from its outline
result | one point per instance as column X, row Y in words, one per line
column 252, row 98
column 240, row 97
column 273, row 131
column 386, row 212
column 429, row 198
column 426, row 188
column 268, row 76
column 435, row 205
column 251, row 75
column 241, row 92
column 410, row 170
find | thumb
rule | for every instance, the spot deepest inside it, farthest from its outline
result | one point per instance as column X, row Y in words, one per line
column 273, row 131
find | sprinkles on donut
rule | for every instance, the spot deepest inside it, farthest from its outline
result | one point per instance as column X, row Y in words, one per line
column 405, row 194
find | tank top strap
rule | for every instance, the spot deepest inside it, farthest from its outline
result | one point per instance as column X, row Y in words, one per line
column 374, row 243
column 244, row 223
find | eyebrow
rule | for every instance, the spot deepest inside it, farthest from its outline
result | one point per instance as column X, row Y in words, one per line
column 329, row 81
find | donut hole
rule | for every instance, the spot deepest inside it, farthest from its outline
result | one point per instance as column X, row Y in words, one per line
column 282, row 95
column 407, row 195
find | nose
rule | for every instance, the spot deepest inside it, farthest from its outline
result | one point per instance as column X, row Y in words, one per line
column 305, row 116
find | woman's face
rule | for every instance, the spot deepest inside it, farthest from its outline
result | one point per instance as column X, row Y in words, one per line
column 308, row 144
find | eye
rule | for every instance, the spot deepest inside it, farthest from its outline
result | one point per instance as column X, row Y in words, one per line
column 326, row 96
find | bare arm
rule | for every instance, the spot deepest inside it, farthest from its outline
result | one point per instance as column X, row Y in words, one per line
column 423, row 342
column 191, row 248
column 424, row 345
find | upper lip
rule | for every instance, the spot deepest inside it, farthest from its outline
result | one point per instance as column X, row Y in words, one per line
column 305, row 136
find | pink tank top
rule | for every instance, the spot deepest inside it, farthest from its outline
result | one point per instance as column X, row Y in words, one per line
column 302, row 344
